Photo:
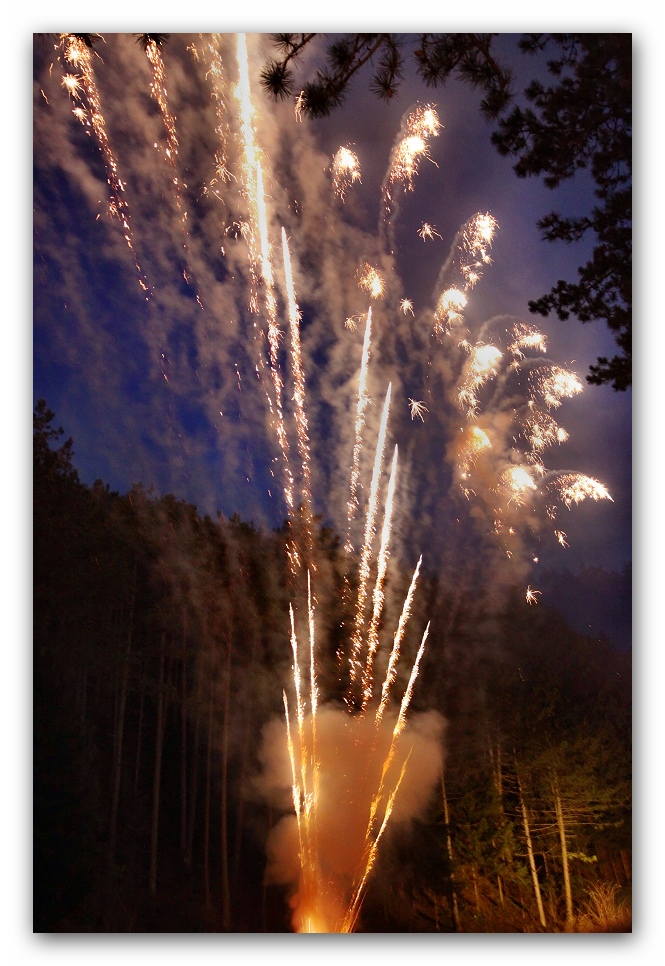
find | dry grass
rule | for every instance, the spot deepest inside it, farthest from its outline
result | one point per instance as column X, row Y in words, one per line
column 604, row 912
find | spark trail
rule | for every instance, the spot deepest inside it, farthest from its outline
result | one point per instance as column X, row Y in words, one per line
column 412, row 144
column 259, row 253
column 158, row 90
column 83, row 85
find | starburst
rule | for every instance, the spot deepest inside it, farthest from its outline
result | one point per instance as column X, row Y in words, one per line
column 418, row 407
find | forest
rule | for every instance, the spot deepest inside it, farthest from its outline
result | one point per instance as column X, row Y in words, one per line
column 161, row 649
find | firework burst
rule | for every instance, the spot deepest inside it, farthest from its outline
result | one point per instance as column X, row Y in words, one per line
column 345, row 170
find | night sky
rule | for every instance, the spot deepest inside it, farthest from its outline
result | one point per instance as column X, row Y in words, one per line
column 162, row 388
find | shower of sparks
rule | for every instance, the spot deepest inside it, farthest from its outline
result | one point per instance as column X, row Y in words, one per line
column 255, row 196
column 427, row 231
column 345, row 170
column 449, row 310
column 158, row 90
column 481, row 366
column 552, row 384
column 299, row 398
column 518, row 480
column 477, row 237
column 575, row 487
column 371, row 281
column 361, row 406
column 378, row 595
column 531, row 595
column 406, row 305
column 417, row 408
column 366, row 552
column 525, row 337
column 480, row 462
column 217, row 77
column 421, row 125
column 541, row 431
column 313, row 908
column 83, row 84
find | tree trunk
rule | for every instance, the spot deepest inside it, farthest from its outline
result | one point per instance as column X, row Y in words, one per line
column 570, row 919
column 193, row 794
column 226, row 895
column 529, row 849
column 449, row 847
column 206, row 825
column 159, row 741
column 183, row 749
column 139, row 734
column 120, row 724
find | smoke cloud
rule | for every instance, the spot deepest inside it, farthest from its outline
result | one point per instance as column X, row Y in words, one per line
column 351, row 752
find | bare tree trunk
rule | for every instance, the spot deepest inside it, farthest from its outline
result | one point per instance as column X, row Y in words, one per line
column 120, row 724
column 226, row 894
column 570, row 919
column 194, row 789
column 449, row 847
column 497, row 771
column 183, row 745
column 139, row 734
column 82, row 699
column 206, row 827
column 529, row 849
column 240, row 797
column 159, row 741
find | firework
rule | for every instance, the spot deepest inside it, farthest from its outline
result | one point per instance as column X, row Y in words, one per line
column 497, row 453
column 417, row 407
column 427, row 231
column 78, row 54
column 346, row 171
column 371, row 281
column 366, row 552
column 575, row 487
column 449, row 310
column 553, row 384
column 420, row 125
column 259, row 255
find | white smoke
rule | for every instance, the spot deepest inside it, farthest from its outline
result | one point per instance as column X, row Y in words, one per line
column 351, row 752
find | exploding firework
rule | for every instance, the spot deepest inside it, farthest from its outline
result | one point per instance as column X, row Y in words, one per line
column 371, row 281
column 500, row 391
column 502, row 397
column 419, row 126
column 427, row 231
column 417, row 407
column 346, row 171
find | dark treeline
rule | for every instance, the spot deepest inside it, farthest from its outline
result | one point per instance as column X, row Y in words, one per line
column 160, row 652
